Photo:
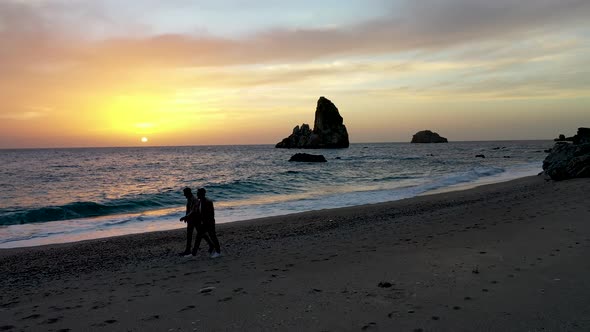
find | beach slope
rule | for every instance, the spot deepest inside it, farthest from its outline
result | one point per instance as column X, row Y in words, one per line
column 511, row 256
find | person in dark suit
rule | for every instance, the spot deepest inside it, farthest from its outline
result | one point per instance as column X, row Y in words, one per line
column 192, row 222
column 206, row 219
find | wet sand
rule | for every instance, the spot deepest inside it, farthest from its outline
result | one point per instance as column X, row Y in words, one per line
column 511, row 256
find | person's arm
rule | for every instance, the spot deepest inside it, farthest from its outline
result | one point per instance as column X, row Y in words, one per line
column 193, row 210
column 212, row 211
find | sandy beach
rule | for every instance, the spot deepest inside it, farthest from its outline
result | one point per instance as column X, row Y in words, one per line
column 510, row 256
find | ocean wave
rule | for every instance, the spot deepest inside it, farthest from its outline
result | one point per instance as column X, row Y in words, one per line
column 77, row 210
column 410, row 158
column 243, row 188
column 394, row 178
column 463, row 177
column 131, row 204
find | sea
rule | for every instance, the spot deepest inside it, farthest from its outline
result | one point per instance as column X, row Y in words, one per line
column 50, row 196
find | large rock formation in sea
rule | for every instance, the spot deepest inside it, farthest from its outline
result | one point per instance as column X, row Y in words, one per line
column 427, row 136
column 570, row 160
column 328, row 131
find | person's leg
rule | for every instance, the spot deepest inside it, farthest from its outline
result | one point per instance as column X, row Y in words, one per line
column 208, row 240
column 189, row 237
column 213, row 236
column 201, row 234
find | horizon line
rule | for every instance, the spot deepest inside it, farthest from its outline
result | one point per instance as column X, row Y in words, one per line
column 255, row 144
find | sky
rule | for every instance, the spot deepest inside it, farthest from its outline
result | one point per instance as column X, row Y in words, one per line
column 83, row 73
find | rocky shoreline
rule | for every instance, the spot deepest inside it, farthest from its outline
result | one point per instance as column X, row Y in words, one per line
column 569, row 160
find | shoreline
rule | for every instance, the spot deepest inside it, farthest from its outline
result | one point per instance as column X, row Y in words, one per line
column 506, row 256
column 94, row 235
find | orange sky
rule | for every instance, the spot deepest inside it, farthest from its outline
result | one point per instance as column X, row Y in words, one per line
column 90, row 73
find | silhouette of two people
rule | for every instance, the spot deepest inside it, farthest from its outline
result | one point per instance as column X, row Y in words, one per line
column 200, row 216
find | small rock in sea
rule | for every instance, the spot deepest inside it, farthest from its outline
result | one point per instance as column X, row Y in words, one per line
column 427, row 136
column 480, row 156
column 385, row 284
column 337, row 158
column 506, row 156
column 310, row 158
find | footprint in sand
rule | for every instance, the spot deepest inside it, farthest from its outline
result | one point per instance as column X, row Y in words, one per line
column 206, row 290
column 52, row 320
column 9, row 304
column 368, row 326
column 391, row 314
column 154, row 317
column 33, row 316
column 456, row 307
column 6, row 327
column 189, row 307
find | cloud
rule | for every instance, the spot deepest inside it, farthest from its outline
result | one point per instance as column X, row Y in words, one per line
column 22, row 116
column 72, row 55
column 35, row 33
column 41, row 39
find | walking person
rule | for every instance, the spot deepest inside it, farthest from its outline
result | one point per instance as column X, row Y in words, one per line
column 206, row 219
column 192, row 223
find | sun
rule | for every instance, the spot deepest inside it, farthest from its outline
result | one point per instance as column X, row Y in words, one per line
column 144, row 139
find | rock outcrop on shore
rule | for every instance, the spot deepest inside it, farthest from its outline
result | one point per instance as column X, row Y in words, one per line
column 329, row 131
column 570, row 160
column 427, row 136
